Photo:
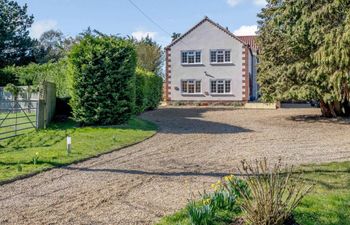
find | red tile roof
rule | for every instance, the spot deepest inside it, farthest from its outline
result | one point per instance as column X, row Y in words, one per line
column 251, row 41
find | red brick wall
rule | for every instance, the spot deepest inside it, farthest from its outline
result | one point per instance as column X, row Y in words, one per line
column 245, row 74
column 167, row 75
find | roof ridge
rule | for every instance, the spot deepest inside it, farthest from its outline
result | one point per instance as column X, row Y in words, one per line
column 206, row 18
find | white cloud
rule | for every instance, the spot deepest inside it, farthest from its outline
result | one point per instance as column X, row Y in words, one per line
column 246, row 30
column 233, row 3
column 260, row 2
column 39, row 27
column 142, row 34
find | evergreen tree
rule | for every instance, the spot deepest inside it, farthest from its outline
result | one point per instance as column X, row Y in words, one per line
column 305, row 53
column 16, row 47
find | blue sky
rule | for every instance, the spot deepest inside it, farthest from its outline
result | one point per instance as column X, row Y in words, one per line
column 121, row 17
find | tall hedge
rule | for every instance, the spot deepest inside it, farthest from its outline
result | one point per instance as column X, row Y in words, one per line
column 102, row 80
column 148, row 90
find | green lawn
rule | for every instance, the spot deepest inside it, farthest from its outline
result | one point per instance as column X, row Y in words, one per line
column 328, row 204
column 48, row 147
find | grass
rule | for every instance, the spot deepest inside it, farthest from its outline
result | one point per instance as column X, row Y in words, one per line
column 328, row 203
column 37, row 151
column 181, row 218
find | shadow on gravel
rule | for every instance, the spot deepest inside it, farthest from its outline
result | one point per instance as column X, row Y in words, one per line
column 191, row 121
column 149, row 173
column 319, row 119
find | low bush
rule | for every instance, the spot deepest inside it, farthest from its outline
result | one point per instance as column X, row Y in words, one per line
column 148, row 90
column 102, row 80
column 273, row 193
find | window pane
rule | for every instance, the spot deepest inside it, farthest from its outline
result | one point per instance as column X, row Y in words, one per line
column 221, row 87
column 198, row 87
column 190, row 57
column 227, row 56
column 213, row 86
column 184, row 86
column 227, row 86
column 220, row 56
column 184, row 57
column 198, row 57
column 191, row 87
column 213, row 56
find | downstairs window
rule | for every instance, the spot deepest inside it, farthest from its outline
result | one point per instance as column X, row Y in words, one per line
column 220, row 86
column 191, row 86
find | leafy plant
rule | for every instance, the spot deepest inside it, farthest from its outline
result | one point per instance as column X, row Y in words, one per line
column 200, row 214
column 36, row 158
column 102, row 80
column 273, row 193
column 304, row 48
column 148, row 90
column 14, row 90
column 35, row 74
column 16, row 45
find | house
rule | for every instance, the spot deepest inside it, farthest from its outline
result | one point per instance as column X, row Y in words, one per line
column 208, row 64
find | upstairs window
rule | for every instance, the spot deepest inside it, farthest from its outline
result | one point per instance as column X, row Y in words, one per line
column 220, row 86
column 220, row 56
column 191, row 57
column 191, row 86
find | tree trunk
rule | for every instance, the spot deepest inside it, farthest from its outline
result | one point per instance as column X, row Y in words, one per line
column 326, row 112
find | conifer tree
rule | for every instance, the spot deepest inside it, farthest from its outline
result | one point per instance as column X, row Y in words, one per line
column 305, row 53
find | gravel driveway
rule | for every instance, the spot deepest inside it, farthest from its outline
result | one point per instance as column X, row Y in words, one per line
column 194, row 147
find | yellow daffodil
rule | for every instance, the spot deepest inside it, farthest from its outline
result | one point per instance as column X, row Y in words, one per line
column 206, row 201
column 229, row 178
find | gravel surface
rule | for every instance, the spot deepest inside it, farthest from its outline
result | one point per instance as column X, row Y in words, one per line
column 194, row 147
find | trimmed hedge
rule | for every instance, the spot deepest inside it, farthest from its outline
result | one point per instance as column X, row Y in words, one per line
column 102, row 80
column 148, row 90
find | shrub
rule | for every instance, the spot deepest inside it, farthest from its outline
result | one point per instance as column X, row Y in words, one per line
column 273, row 193
column 102, row 80
column 7, row 77
column 148, row 90
column 35, row 74
column 13, row 90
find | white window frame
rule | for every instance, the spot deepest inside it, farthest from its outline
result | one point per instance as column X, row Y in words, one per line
column 223, row 54
column 195, row 88
column 189, row 54
column 224, row 83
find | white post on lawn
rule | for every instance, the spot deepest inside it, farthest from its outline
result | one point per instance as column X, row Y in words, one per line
column 69, row 144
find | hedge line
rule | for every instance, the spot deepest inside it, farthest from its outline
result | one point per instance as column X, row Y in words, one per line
column 148, row 90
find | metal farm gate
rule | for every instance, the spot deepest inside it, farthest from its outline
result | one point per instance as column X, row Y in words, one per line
column 17, row 117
